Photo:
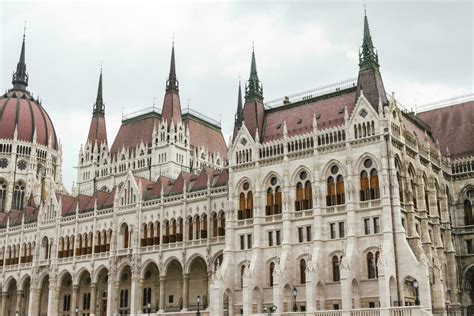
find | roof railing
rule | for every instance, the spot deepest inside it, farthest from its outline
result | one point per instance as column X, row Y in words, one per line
column 446, row 102
column 157, row 110
column 308, row 94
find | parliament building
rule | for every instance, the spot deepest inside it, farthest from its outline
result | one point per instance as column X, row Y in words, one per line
column 333, row 202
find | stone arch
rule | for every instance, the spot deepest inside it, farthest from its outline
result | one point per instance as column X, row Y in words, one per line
column 410, row 293
column 326, row 169
column 11, row 289
column 148, row 262
column 167, row 263
column 150, row 276
column 198, row 280
column 296, row 172
column 320, row 296
column 124, row 278
column 267, row 178
column 78, row 274
column 97, row 271
column 124, row 265
column 101, row 279
column 174, row 285
column 286, row 298
column 84, row 282
column 187, row 267
column 65, row 284
column 228, row 302
column 360, row 161
column 393, row 291
column 241, row 181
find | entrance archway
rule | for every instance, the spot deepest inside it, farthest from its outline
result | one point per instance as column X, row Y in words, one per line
column 102, row 292
column 198, row 284
column 174, row 287
column 124, row 290
column 151, row 288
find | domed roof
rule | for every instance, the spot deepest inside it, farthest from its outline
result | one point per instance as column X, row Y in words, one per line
column 18, row 110
column 21, row 113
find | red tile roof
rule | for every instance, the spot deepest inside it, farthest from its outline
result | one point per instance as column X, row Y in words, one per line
column 299, row 116
column 171, row 107
column 19, row 110
column 97, row 129
column 134, row 131
column 453, row 126
column 202, row 134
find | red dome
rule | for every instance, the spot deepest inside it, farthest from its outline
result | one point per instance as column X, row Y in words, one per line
column 19, row 109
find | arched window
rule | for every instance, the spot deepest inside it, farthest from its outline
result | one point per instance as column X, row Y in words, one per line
column 369, row 189
column 413, row 187
column 3, row 194
column 377, row 255
column 19, row 196
column 302, row 271
column 222, row 224
column 335, row 188
column 273, row 197
column 304, row 195
column 370, row 266
column 468, row 220
column 399, row 180
column 214, row 225
column 271, row 270
column 245, row 202
column 336, row 276
column 190, row 228
column 242, row 271
column 425, row 193
column 125, row 236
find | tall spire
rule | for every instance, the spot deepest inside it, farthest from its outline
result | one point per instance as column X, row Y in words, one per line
column 20, row 77
column 368, row 57
column 99, row 106
column 172, row 82
column 239, row 115
column 253, row 90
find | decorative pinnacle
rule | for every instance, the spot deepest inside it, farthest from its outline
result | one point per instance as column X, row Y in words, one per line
column 253, row 89
column 20, row 77
column 172, row 82
column 368, row 57
column 99, row 106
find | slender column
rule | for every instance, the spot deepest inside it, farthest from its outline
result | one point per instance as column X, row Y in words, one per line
column 34, row 302
column 75, row 289
column 133, row 296
column 111, row 306
column 19, row 298
column 4, row 303
column 139, row 299
column 52, row 306
column 185, row 291
column 162, row 293
column 93, row 298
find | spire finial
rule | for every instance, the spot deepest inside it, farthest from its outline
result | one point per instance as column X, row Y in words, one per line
column 20, row 76
column 172, row 83
column 254, row 89
column 368, row 57
column 99, row 106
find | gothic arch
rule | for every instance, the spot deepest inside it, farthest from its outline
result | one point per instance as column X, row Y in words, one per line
column 23, row 279
column 77, row 276
column 168, row 262
column 191, row 259
column 326, row 169
column 359, row 164
column 122, row 267
column 97, row 271
column 239, row 184
column 267, row 178
column 295, row 175
column 148, row 262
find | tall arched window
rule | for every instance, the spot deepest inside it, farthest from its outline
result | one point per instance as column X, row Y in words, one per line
column 222, row 223
column 370, row 266
column 190, row 228
column 399, row 180
column 425, row 193
column 335, row 188
column 377, row 255
column 273, row 197
column 242, row 271
column 468, row 220
column 125, row 236
column 413, row 187
column 336, row 276
column 214, row 225
column 3, row 194
column 19, row 196
column 304, row 194
column 302, row 271
column 369, row 188
column 245, row 202
column 271, row 270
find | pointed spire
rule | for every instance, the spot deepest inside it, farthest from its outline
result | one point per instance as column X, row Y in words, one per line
column 99, row 106
column 172, row 82
column 368, row 57
column 253, row 89
column 239, row 115
column 20, row 77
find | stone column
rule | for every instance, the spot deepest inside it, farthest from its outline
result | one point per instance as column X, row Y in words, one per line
column 75, row 290
column 19, row 299
column 133, row 293
column 139, row 294
column 247, row 297
column 310, row 288
column 34, row 301
column 52, row 299
column 111, row 294
column 93, row 299
column 4, row 303
column 185, row 291
column 162, row 293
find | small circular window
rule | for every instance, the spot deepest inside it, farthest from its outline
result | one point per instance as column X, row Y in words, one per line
column 368, row 163
column 303, row 175
column 22, row 165
column 274, row 181
column 3, row 163
column 334, row 169
column 245, row 186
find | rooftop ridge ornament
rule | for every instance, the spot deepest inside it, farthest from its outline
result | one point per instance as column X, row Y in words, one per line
column 253, row 89
column 20, row 76
column 368, row 57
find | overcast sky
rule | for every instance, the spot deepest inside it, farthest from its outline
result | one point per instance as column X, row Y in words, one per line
column 425, row 52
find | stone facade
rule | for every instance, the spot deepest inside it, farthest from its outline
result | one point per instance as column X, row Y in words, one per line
column 338, row 200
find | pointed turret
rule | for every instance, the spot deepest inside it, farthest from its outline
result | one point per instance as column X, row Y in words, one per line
column 254, row 110
column 171, row 104
column 99, row 106
column 370, row 80
column 20, row 76
column 97, row 130
column 239, row 115
column 253, row 89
